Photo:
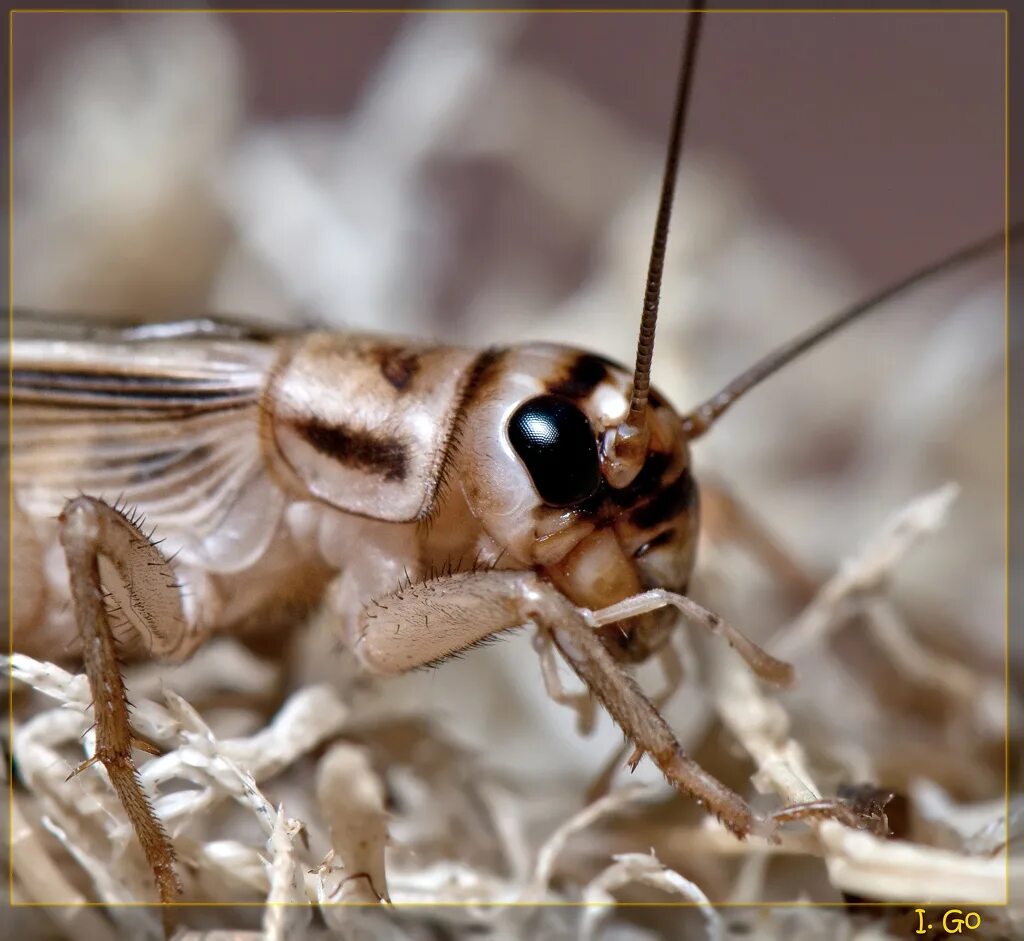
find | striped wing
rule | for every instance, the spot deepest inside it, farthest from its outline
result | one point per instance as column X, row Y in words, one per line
column 164, row 418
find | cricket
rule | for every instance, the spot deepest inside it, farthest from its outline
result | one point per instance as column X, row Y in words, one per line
column 174, row 481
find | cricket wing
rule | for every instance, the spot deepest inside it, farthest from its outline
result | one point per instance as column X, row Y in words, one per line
column 166, row 423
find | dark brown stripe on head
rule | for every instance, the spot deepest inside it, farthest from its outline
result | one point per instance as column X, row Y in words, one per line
column 363, row 450
column 676, row 498
column 648, row 481
column 585, row 373
column 655, row 399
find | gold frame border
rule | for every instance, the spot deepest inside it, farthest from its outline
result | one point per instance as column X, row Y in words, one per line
column 539, row 904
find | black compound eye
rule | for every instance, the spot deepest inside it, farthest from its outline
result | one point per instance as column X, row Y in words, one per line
column 556, row 443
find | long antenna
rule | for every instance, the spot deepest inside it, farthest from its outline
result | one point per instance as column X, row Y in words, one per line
column 652, row 296
column 707, row 413
column 627, row 444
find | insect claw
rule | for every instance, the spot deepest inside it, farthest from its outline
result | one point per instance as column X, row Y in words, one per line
column 634, row 759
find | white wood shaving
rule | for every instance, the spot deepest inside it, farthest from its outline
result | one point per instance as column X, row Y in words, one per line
column 642, row 868
column 868, row 569
column 286, row 915
column 547, row 857
column 352, row 799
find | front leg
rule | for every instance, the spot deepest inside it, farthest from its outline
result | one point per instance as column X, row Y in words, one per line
column 110, row 561
column 425, row 623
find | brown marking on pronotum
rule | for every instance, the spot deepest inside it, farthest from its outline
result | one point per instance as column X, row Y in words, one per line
column 584, row 374
column 398, row 366
column 357, row 448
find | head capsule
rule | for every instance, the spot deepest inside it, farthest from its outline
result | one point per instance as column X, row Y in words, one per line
column 536, row 474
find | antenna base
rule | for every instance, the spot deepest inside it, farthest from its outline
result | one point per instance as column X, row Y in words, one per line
column 624, row 451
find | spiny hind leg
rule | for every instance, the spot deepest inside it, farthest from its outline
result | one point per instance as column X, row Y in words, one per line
column 109, row 557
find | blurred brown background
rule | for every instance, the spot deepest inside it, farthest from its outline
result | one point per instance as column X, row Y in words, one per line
column 881, row 134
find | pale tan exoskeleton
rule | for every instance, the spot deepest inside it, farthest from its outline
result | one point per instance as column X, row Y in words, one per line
column 279, row 469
